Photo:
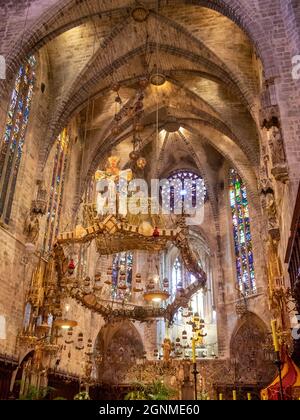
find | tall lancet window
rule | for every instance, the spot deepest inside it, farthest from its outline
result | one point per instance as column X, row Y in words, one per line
column 11, row 146
column 56, row 189
column 242, row 234
column 122, row 275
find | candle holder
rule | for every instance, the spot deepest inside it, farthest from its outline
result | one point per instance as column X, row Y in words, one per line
column 195, row 373
column 279, row 364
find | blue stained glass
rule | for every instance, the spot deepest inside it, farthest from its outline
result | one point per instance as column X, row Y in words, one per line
column 115, row 272
column 122, row 276
column 242, row 234
column 57, row 189
column 176, row 197
column 14, row 135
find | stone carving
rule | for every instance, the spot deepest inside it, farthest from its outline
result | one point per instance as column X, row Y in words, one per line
column 121, row 347
column 39, row 205
column 167, row 348
column 276, row 146
column 274, row 264
column 38, row 208
column 267, row 196
column 279, row 170
column 268, row 203
column 264, row 179
column 271, row 211
column 270, row 119
column 248, row 349
column 32, row 228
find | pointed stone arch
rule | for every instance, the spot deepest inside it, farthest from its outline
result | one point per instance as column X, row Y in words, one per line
column 249, row 350
column 67, row 14
column 119, row 345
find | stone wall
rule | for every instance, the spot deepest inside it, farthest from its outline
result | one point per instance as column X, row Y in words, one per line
column 270, row 32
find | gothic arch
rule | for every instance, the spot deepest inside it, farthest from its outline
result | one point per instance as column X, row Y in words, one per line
column 77, row 97
column 119, row 345
column 249, row 350
column 67, row 14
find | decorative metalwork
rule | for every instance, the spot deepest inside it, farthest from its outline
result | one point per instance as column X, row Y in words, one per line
column 57, row 190
column 68, row 286
column 114, row 235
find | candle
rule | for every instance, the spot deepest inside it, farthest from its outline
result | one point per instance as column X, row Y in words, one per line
column 194, row 350
column 234, row 395
column 274, row 334
column 221, row 397
column 249, row 396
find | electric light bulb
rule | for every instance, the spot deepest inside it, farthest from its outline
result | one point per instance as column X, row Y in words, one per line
column 65, row 327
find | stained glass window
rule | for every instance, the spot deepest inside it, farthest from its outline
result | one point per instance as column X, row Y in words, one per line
column 11, row 147
column 56, row 190
column 242, row 234
column 185, row 187
column 122, row 275
column 27, row 316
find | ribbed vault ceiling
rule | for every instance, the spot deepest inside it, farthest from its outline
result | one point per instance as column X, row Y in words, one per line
column 212, row 87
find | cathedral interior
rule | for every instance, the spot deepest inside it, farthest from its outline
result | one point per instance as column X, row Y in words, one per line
column 149, row 199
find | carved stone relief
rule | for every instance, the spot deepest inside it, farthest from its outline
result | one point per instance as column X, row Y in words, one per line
column 38, row 209
column 267, row 196
column 121, row 350
column 270, row 120
column 32, row 228
column 249, row 351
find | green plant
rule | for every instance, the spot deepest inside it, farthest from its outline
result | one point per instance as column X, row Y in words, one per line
column 157, row 391
column 34, row 393
column 203, row 396
column 138, row 392
column 135, row 396
column 82, row 396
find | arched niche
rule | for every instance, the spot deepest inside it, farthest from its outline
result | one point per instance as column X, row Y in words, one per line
column 250, row 352
column 119, row 346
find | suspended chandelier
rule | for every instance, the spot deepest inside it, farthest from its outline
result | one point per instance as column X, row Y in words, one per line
column 65, row 324
column 155, row 292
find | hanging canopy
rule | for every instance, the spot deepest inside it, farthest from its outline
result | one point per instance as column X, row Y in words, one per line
column 113, row 234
